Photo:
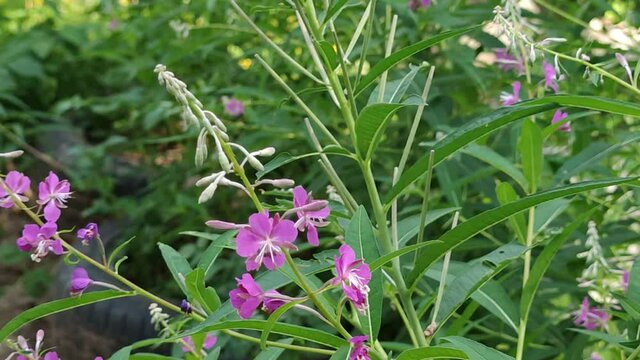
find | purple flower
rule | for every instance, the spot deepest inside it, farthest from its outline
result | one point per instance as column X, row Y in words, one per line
column 53, row 193
column 185, row 306
column 209, row 342
column 550, row 76
column 589, row 317
column 18, row 184
column 507, row 62
column 559, row 116
column 415, row 4
column 309, row 220
column 38, row 240
column 359, row 350
column 51, row 356
column 264, row 239
column 625, row 280
column 233, row 107
column 80, row 281
column 33, row 354
column 596, row 356
column 248, row 296
column 88, row 233
column 510, row 99
column 354, row 275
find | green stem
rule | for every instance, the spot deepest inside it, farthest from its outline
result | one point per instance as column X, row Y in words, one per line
column 103, row 252
column 522, row 329
column 562, row 13
column 321, row 307
column 425, row 203
column 634, row 354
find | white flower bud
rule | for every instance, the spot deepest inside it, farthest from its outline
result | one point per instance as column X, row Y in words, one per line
column 209, row 179
column 201, row 148
column 209, row 191
column 12, row 154
column 269, row 151
column 254, row 162
column 532, row 54
column 217, row 122
column 222, row 225
column 283, row 183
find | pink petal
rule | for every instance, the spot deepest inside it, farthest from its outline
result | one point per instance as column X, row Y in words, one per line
column 285, row 231
column 260, row 224
column 249, row 306
column 300, row 196
column 30, row 232
column 49, row 229
column 312, row 235
column 250, row 285
column 56, row 247
column 364, row 273
column 51, row 212
column 278, row 261
column 246, row 243
column 209, row 341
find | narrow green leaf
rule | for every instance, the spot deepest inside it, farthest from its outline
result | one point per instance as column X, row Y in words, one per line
column 360, row 237
column 475, row 350
column 208, row 258
column 342, row 353
column 150, row 356
column 590, row 102
column 206, row 297
column 408, row 227
column 476, row 274
column 506, row 194
column 370, row 126
column 463, row 136
column 395, row 90
column 609, row 338
column 330, row 55
column 432, row 352
column 117, row 250
column 334, row 9
column 295, row 331
column 530, row 146
column 273, row 319
column 122, row 354
column 631, row 306
column 633, row 291
column 487, row 155
column 480, row 222
column 402, row 251
column 404, row 53
column 286, row 158
column 544, row 260
column 56, row 306
column 177, row 264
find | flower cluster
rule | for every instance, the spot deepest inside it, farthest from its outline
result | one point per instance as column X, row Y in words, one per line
column 23, row 351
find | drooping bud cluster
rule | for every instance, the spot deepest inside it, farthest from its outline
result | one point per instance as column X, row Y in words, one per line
column 158, row 317
column 210, row 125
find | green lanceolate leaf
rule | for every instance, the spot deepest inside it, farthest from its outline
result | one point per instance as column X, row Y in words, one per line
column 475, row 275
column 543, row 261
column 122, row 354
column 273, row 319
column 463, row 136
column 590, row 102
column 360, row 237
column 378, row 263
column 206, row 297
column 395, row 90
column 506, row 194
column 295, row 331
column 273, row 353
column 208, row 258
column 177, row 264
column 286, row 158
column 475, row 350
column 530, row 146
column 405, row 53
column 408, row 227
column 370, row 126
column 496, row 160
column 342, row 353
column 432, row 352
column 334, row 9
column 480, row 222
column 56, row 306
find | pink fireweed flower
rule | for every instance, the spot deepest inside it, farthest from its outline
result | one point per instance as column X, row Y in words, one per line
column 589, row 317
column 80, row 281
column 38, row 240
column 309, row 220
column 415, row 4
column 248, row 296
column 550, row 76
column 88, row 233
column 18, row 184
column 510, row 99
column 507, row 62
column 53, row 193
column 559, row 116
column 264, row 241
column 359, row 350
column 354, row 275
column 233, row 107
column 209, row 342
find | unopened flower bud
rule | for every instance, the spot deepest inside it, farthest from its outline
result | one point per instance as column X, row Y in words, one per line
column 208, row 192
column 12, row 154
column 532, row 54
column 283, row 183
column 201, row 148
column 189, row 117
column 315, row 205
column 269, row 151
column 625, row 64
column 222, row 225
column 209, row 179
column 212, row 117
column 254, row 162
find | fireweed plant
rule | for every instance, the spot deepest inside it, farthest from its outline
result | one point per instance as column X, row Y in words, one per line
column 369, row 272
